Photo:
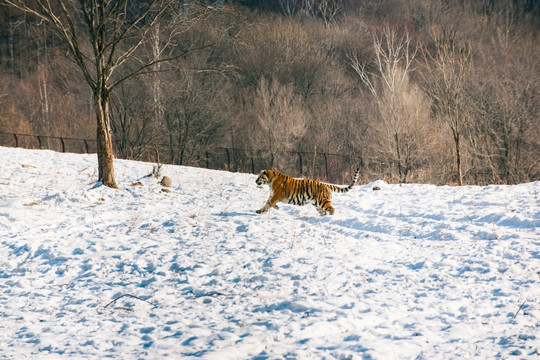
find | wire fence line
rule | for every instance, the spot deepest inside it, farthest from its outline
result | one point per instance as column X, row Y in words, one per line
column 322, row 166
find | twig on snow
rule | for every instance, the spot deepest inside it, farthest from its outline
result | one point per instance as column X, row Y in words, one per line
column 468, row 217
column 128, row 295
column 211, row 293
column 519, row 309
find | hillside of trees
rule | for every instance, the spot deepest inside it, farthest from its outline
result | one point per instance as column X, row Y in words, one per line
column 441, row 91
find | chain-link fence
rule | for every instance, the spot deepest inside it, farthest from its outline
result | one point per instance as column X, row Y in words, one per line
column 334, row 168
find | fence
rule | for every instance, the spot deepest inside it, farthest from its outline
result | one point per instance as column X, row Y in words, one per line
column 61, row 144
column 328, row 167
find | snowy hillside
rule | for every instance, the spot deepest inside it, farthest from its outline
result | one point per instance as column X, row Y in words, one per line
column 406, row 272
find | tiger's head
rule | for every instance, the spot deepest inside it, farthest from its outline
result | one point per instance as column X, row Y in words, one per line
column 264, row 178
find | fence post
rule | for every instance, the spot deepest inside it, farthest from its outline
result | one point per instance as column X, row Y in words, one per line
column 39, row 141
column 63, row 145
column 228, row 159
column 86, row 146
column 326, row 165
column 16, row 140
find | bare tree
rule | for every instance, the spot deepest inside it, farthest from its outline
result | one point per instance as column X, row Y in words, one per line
column 283, row 50
column 506, row 137
column 12, row 119
column 329, row 9
column 447, row 72
column 401, row 107
column 289, row 7
column 281, row 121
column 193, row 113
column 326, row 9
column 132, row 122
column 101, row 37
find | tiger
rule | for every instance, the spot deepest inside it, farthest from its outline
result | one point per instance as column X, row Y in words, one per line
column 299, row 191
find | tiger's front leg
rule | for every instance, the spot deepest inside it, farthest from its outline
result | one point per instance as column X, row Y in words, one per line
column 267, row 206
column 264, row 208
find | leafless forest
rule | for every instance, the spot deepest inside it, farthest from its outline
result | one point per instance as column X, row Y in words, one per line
column 443, row 92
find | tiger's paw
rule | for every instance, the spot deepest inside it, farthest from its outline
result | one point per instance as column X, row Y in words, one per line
column 324, row 212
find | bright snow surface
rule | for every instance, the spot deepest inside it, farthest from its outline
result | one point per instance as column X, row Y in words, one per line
column 406, row 272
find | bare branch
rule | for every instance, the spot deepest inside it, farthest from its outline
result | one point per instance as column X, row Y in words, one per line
column 142, row 70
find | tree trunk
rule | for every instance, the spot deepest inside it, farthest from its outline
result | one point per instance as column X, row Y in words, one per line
column 458, row 161
column 401, row 172
column 104, row 142
column 156, row 83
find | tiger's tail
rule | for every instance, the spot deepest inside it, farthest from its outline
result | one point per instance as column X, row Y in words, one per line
column 345, row 189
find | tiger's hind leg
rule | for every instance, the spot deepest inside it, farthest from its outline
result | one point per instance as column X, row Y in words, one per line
column 323, row 202
column 325, row 208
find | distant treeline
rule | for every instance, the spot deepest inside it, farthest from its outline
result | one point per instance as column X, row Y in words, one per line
column 443, row 92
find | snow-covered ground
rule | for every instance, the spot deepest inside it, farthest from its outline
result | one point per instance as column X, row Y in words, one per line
column 406, row 272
